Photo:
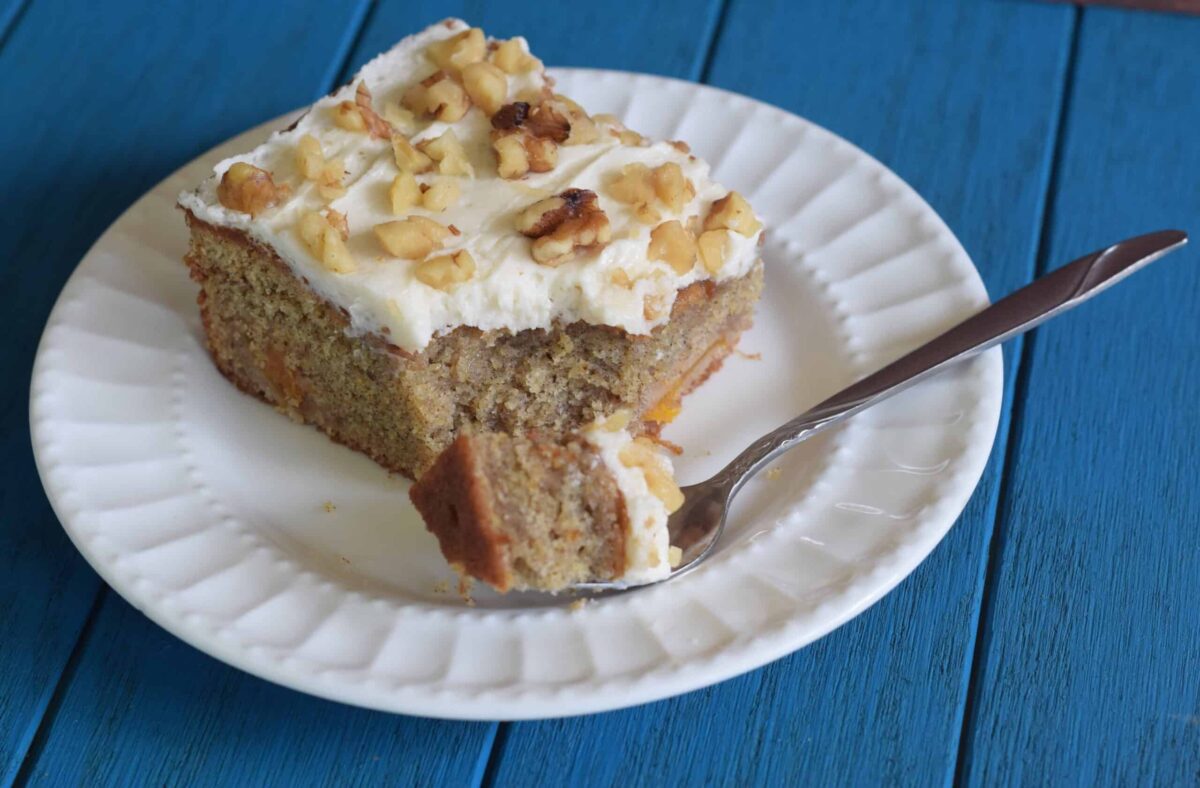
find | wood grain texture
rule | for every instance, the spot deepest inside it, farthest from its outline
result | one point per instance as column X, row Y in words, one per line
column 962, row 102
column 143, row 708
column 1089, row 675
column 670, row 37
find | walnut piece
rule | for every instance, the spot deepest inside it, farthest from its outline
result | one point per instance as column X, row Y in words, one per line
column 309, row 158
column 526, row 139
column 404, row 193
column 440, row 194
column 642, row 454
column 376, row 126
column 545, row 215
column 445, row 271
column 712, row 245
column 399, row 118
column 437, row 96
column 671, row 243
column 346, row 116
column 412, row 238
column 671, row 187
column 732, row 212
column 547, row 122
column 459, row 51
column 583, row 127
column 249, row 189
column 325, row 238
column 562, row 224
column 448, row 153
column 486, row 85
column 511, row 57
column 512, row 161
column 408, row 158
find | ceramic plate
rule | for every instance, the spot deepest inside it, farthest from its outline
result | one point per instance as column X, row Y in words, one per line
column 264, row 544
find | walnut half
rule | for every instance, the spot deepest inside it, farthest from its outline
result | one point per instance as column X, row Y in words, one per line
column 249, row 189
column 562, row 224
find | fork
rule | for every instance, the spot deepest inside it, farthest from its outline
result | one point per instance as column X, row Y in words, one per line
column 696, row 527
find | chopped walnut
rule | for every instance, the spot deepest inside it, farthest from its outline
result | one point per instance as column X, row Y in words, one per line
column 325, row 238
column 445, row 271
column 249, row 189
column 674, row 556
column 671, row 186
column 309, row 158
column 457, row 52
column 563, row 224
column 542, row 153
column 511, row 57
column 547, row 122
column 674, row 245
column 632, row 185
column 545, row 215
column 512, row 161
column 486, row 85
column 376, row 126
column 526, row 139
column 640, row 186
column 440, row 194
column 642, row 454
column 401, row 119
column 511, row 116
column 327, row 173
column 680, row 146
column 437, row 96
column 346, row 116
column 448, row 153
column 712, row 245
column 732, row 212
column 412, row 238
column 408, row 158
column 338, row 221
column 404, row 193
column 583, row 127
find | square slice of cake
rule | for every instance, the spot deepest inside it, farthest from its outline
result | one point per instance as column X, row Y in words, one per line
column 447, row 245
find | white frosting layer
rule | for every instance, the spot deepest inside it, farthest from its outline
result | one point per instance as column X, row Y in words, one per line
column 509, row 290
column 648, row 543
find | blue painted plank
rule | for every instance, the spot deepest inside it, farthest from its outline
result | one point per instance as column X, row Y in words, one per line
column 1089, row 672
column 143, row 708
column 670, row 37
column 119, row 699
column 962, row 101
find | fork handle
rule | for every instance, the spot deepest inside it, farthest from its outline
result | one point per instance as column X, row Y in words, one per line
column 1050, row 295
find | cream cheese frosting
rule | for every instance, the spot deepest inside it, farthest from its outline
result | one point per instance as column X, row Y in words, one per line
column 617, row 285
column 647, row 542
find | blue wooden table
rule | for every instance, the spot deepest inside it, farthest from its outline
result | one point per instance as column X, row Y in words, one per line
column 1053, row 637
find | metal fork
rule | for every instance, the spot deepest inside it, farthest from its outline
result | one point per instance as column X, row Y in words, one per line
column 697, row 525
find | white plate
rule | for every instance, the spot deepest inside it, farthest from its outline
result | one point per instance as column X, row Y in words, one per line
column 206, row 509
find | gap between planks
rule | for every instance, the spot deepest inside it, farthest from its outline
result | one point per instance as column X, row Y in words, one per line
column 1023, row 350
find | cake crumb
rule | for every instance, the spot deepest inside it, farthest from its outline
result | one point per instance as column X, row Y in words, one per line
column 748, row 356
column 328, row 506
column 577, row 605
column 441, row 587
column 773, row 473
column 464, row 589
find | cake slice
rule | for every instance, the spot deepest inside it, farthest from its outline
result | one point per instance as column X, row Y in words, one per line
column 446, row 244
column 534, row 512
